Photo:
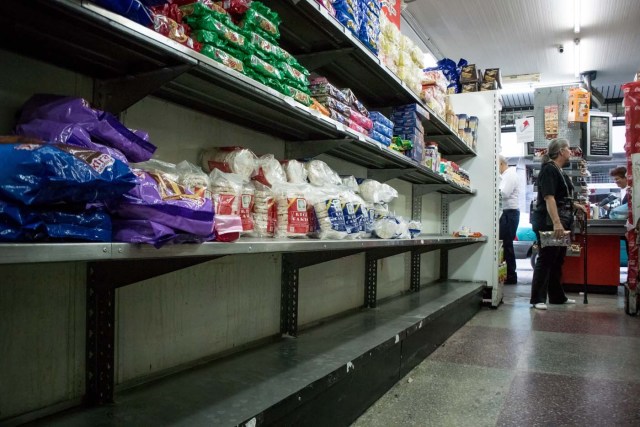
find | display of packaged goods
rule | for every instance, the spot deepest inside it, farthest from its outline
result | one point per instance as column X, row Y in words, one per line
column 320, row 88
column 431, row 157
column 266, row 49
column 381, row 138
column 236, row 7
column 355, row 126
column 223, row 57
column 377, row 116
column 134, row 10
column 259, row 18
column 262, row 67
column 407, row 120
column 380, row 128
column 488, row 86
column 339, row 117
column 333, row 104
column 417, row 151
column 315, row 105
column 492, row 75
column 89, row 123
column 293, row 76
column 417, row 108
column 361, row 120
column 463, row 121
column 238, row 160
column 208, row 30
column 297, row 94
column 175, row 31
column 469, row 74
column 328, row 5
column 473, row 123
column 197, row 9
column 407, row 130
column 369, row 34
column 469, row 87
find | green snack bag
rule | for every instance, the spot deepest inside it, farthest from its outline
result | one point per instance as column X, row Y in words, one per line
column 263, row 20
column 199, row 10
column 294, row 76
column 264, row 48
column 300, row 96
column 231, row 37
column 222, row 57
column 263, row 67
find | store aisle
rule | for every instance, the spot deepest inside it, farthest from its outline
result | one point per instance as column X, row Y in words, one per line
column 515, row 366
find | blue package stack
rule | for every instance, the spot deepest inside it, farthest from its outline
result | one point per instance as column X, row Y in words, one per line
column 348, row 13
column 382, row 128
column 407, row 121
column 369, row 32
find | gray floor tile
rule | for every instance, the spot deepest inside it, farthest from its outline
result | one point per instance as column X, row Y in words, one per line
column 508, row 315
column 537, row 399
column 441, row 394
column 483, row 346
column 578, row 321
column 595, row 356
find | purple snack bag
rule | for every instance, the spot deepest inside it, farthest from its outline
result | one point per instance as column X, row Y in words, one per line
column 103, row 127
column 65, row 133
column 149, row 232
column 161, row 200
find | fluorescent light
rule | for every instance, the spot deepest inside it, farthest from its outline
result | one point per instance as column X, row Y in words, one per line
column 513, row 88
column 576, row 58
column 576, row 16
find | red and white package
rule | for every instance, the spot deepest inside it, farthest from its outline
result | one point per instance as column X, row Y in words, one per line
column 226, row 189
column 238, row 160
column 269, row 170
column 292, row 210
column 246, row 204
column 264, row 211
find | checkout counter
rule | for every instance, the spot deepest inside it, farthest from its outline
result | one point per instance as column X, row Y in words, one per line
column 602, row 256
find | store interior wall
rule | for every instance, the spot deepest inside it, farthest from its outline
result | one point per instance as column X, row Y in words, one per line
column 172, row 320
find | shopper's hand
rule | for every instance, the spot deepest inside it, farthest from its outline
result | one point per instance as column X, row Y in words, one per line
column 558, row 231
column 583, row 208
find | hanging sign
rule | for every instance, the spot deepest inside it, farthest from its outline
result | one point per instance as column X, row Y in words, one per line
column 391, row 8
column 524, row 130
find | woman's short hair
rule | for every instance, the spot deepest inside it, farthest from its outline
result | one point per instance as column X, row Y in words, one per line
column 620, row 171
column 554, row 148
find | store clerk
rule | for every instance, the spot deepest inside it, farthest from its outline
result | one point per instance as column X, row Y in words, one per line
column 619, row 175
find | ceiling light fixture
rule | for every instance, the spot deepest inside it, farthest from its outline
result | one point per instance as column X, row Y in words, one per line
column 576, row 16
column 576, row 58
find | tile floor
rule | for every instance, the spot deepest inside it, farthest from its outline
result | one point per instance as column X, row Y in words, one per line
column 575, row 365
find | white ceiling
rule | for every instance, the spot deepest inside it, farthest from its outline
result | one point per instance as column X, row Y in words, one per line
column 522, row 36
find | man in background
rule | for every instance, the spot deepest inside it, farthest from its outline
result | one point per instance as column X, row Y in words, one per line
column 510, row 216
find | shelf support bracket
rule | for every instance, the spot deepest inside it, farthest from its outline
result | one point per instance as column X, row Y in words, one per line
column 370, row 281
column 116, row 95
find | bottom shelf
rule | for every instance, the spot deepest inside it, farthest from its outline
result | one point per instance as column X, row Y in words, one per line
column 327, row 376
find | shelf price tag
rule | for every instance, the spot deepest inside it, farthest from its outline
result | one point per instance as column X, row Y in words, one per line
column 340, row 127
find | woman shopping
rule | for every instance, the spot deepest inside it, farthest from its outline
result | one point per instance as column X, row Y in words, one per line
column 553, row 212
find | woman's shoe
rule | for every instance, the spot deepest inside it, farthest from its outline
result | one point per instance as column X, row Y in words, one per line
column 540, row 306
column 569, row 301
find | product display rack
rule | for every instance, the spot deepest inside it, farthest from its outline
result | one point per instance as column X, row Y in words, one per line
column 129, row 62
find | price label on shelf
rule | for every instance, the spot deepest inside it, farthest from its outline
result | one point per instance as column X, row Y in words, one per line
column 340, row 127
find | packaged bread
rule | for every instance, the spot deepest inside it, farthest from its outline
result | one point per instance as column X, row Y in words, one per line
column 238, row 160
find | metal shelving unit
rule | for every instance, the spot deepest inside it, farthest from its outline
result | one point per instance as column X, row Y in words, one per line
column 130, row 62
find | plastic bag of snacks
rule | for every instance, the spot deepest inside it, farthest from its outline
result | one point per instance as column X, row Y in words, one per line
column 236, row 7
column 159, row 198
column 298, row 95
column 259, row 18
column 149, row 232
column 131, row 9
column 375, row 192
column 292, row 210
column 170, row 10
column 262, row 67
column 296, row 172
column 391, row 228
column 269, row 170
column 328, row 213
column 264, row 211
column 193, row 179
column 175, row 31
column 230, row 159
column 223, row 57
column 246, row 207
column 356, row 214
column 294, row 76
column 65, row 133
column 39, row 174
column 102, row 126
column 320, row 174
column 226, row 190
column 20, row 223
column 213, row 32
column 328, row 5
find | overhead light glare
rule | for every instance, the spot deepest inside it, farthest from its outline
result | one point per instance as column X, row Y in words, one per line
column 576, row 16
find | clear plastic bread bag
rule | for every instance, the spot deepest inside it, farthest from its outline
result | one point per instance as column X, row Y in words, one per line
column 320, row 174
column 292, row 210
column 238, row 160
column 269, row 170
column 328, row 213
column 295, row 171
column 264, row 211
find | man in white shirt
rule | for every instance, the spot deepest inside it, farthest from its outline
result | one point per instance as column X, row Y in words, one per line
column 510, row 216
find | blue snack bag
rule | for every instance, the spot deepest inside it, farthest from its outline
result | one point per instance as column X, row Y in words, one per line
column 39, row 174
